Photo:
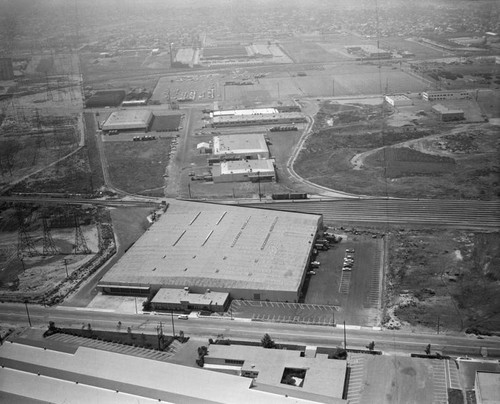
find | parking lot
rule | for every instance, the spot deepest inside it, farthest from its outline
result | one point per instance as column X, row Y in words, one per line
column 284, row 312
column 332, row 295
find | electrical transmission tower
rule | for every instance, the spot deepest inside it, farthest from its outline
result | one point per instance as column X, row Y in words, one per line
column 25, row 245
column 80, row 246
column 49, row 247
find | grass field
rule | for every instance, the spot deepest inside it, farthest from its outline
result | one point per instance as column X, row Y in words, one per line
column 138, row 167
column 403, row 161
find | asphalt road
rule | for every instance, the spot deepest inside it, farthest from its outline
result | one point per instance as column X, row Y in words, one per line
column 387, row 341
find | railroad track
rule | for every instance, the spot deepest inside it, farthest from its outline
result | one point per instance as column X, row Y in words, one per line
column 449, row 213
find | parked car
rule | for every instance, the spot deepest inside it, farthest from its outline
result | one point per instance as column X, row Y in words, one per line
column 349, row 250
column 315, row 264
column 182, row 317
column 312, row 273
column 346, row 268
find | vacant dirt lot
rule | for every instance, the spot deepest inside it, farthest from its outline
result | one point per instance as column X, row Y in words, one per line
column 449, row 277
column 400, row 157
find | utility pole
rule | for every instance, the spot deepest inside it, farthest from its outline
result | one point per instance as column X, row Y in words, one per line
column 258, row 179
column 66, row 266
column 173, row 328
column 189, row 190
column 27, row 312
column 345, row 339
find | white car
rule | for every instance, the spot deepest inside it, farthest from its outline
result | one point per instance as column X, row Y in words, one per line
column 344, row 268
column 312, row 273
column 315, row 264
column 182, row 317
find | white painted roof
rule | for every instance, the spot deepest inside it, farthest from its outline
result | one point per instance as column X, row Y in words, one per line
column 240, row 144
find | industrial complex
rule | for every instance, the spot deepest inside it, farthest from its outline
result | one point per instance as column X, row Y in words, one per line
column 249, row 253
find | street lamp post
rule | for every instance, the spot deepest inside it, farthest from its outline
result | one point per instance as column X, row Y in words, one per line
column 27, row 312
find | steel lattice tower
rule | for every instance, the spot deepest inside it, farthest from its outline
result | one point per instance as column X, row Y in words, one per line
column 25, row 245
column 49, row 247
column 80, row 246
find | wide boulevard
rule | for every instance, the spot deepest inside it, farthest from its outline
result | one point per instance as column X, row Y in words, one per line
column 385, row 340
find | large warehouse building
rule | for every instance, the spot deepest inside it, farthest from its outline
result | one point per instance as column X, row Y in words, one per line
column 128, row 120
column 253, row 254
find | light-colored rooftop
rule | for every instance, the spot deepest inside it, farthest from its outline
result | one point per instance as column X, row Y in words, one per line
column 246, row 166
column 95, row 376
column 488, row 387
column 128, row 119
column 255, row 111
column 444, row 110
column 324, row 376
column 210, row 246
column 398, row 97
column 240, row 144
column 166, row 295
column 259, row 117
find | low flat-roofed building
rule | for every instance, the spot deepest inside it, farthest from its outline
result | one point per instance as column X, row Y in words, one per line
column 56, row 374
column 398, row 100
column 253, row 111
column 323, row 377
column 257, row 119
column 372, row 51
column 487, row 387
column 254, row 254
column 245, row 146
column 244, row 170
column 128, row 119
column 204, row 148
column 182, row 299
column 438, row 95
column 447, row 115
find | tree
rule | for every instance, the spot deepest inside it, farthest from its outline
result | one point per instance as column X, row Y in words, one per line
column 428, row 349
column 267, row 342
column 339, row 353
column 371, row 346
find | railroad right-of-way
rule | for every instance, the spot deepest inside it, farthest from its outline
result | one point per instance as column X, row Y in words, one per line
column 465, row 214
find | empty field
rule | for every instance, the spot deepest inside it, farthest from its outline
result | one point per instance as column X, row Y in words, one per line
column 138, row 167
column 403, row 161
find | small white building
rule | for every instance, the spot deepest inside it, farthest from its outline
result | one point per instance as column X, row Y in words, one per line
column 204, row 148
column 398, row 100
column 244, row 170
column 246, row 146
column 183, row 299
